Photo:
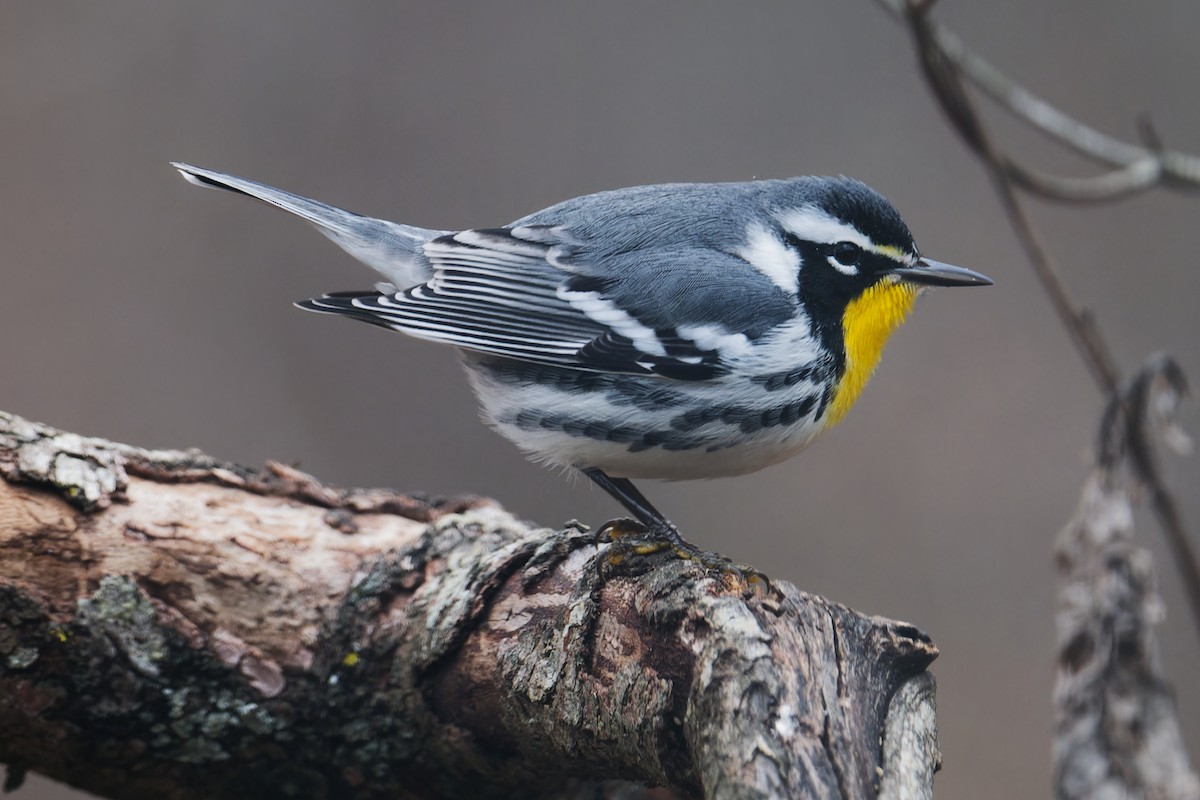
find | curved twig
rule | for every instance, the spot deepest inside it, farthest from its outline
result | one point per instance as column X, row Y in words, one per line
column 945, row 81
column 944, row 62
column 1117, row 727
column 1138, row 168
column 1159, row 383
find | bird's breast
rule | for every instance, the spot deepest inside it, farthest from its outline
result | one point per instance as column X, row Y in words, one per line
column 867, row 323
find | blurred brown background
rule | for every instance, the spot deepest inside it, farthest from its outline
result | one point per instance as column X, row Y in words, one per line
column 141, row 309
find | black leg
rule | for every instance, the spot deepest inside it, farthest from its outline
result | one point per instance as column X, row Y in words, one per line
column 625, row 493
column 663, row 534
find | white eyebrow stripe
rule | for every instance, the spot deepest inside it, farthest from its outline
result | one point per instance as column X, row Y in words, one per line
column 813, row 225
column 768, row 254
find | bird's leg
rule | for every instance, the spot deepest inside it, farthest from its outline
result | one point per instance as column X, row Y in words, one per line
column 647, row 518
column 663, row 534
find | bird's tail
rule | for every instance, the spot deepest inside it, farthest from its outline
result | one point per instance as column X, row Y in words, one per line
column 391, row 249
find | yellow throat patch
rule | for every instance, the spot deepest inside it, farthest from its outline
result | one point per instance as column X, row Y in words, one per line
column 867, row 323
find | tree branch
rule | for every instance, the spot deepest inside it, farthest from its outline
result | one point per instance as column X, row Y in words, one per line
column 1138, row 168
column 1118, row 734
column 173, row 627
column 942, row 58
column 945, row 82
column 1117, row 730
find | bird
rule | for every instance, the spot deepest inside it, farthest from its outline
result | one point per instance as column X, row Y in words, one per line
column 674, row 331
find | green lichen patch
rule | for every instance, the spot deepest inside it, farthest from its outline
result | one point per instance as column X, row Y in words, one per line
column 22, row 629
column 21, row 658
column 122, row 612
column 88, row 473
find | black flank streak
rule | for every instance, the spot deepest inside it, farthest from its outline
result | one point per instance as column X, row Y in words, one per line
column 698, row 417
column 749, row 420
column 775, row 381
column 529, row 420
column 826, row 396
column 620, row 390
column 667, row 440
column 639, row 395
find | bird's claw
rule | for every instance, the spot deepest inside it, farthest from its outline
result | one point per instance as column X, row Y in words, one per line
column 629, row 538
column 715, row 562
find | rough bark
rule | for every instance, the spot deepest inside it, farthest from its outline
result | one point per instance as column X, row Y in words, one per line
column 173, row 627
column 1118, row 734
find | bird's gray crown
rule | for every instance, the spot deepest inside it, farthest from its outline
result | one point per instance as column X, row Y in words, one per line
column 718, row 214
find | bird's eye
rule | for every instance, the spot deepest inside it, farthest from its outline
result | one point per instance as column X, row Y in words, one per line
column 847, row 253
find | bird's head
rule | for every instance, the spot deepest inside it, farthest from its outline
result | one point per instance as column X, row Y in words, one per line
column 859, row 274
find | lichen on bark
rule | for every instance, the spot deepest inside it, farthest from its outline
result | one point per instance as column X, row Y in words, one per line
column 192, row 629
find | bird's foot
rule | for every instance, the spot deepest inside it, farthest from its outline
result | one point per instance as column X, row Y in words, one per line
column 630, row 538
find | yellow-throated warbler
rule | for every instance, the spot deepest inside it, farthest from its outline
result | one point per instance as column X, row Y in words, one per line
column 674, row 331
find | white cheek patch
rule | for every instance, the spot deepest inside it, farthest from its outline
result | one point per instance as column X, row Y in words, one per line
column 765, row 252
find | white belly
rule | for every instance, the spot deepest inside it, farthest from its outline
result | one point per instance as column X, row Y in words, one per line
column 648, row 427
column 672, row 465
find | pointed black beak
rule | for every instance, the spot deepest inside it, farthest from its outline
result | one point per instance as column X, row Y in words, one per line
column 934, row 273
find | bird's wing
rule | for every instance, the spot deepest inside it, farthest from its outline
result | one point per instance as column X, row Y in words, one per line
column 535, row 293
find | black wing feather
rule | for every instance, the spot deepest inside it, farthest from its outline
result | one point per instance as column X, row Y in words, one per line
column 498, row 293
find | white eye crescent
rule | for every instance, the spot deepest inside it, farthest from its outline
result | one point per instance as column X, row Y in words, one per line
column 845, row 257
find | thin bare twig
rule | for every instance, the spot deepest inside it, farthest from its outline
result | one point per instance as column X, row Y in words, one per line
column 1117, row 731
column 943, row 78
column 1138, row 168
column 944, row 61
column 1160, row 382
